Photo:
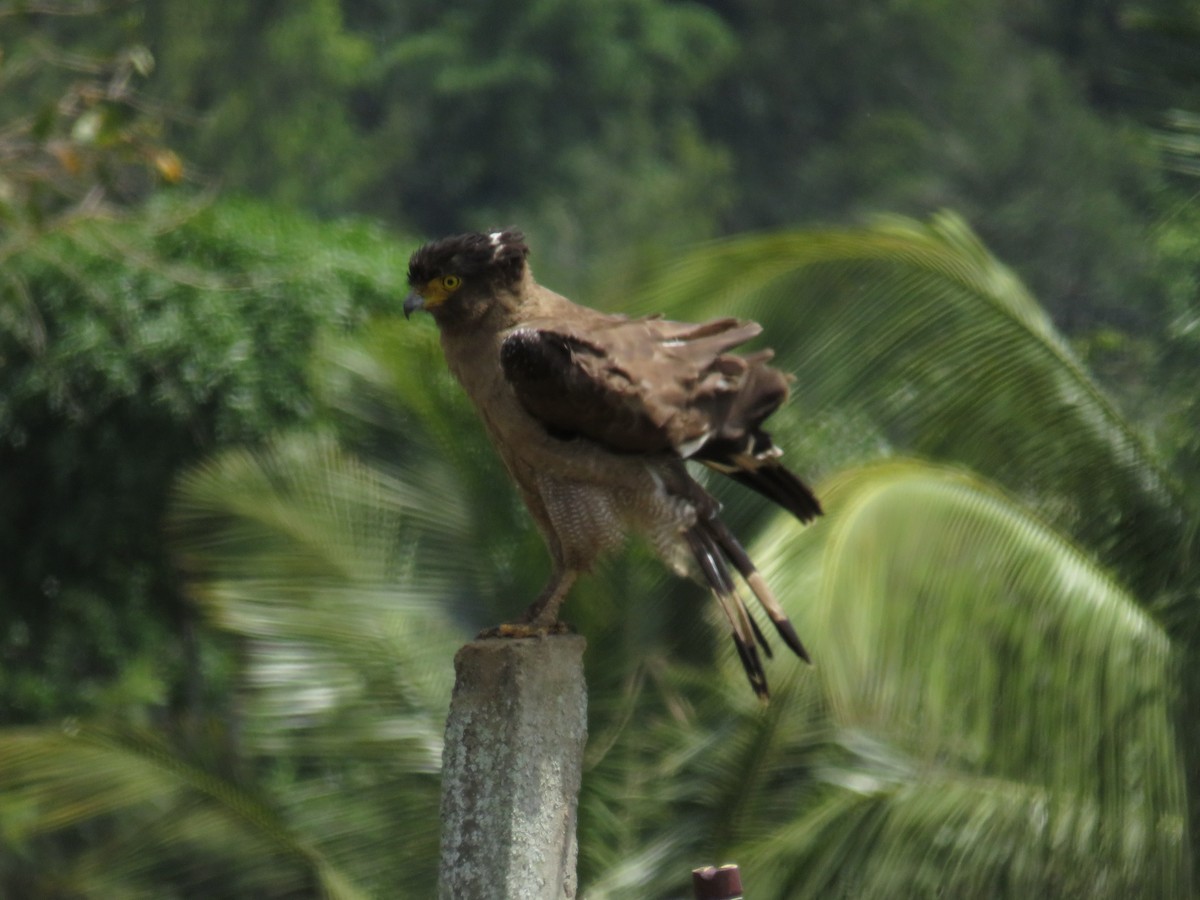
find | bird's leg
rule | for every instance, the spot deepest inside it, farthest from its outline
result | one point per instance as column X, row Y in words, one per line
column 543, row 612
column 542, row 616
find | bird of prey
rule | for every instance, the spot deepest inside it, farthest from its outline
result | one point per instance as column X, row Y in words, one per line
column 594, row 416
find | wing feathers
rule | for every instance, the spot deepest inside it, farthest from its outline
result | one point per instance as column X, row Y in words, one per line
column 778, row 485
column 652, row 386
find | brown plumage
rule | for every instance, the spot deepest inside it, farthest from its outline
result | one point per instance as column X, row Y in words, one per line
column 595, row 414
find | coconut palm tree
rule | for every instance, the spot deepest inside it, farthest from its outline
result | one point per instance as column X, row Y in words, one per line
column 997, row 601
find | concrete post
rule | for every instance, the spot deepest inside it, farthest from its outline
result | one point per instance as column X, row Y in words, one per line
column 511, row 770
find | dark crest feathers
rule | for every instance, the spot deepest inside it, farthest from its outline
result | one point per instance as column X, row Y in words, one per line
column 498, row 257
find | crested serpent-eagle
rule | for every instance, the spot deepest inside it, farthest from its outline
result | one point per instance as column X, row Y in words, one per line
column 594, row 416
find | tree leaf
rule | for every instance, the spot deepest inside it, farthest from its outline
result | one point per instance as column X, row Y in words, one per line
column 1002, row 707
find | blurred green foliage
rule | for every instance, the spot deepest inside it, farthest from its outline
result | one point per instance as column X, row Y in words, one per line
column 130, row 349
column 1042, row 124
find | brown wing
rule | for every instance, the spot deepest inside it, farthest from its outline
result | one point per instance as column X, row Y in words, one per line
column 655, row 386
column 634, row 385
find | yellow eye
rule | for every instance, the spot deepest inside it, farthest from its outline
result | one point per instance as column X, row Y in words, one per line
column 451, row 282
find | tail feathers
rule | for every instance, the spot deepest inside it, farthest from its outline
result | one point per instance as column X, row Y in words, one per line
column 778, row 617
column 758, row 635
column 712, row 543
column 780, row 486
column 748, row 654
column 737, row 554
column 744, row 629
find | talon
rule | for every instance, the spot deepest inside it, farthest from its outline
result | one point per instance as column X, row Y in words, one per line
column 524, row 630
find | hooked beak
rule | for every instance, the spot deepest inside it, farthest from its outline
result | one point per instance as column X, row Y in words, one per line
column 413, row 302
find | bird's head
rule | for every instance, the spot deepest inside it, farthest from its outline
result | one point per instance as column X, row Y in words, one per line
column 460, row 279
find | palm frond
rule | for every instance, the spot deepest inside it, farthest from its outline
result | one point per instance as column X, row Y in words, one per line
column 1001, row 707
column 329, row 567
column 336, row 574
column 921, row 331
column 149, row 797
column 304, row 508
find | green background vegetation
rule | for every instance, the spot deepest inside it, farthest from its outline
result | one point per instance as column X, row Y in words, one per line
column 246, row 517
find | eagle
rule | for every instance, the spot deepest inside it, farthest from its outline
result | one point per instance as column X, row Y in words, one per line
column 595, row 417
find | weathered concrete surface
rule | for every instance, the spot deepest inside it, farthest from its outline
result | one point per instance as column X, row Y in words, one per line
column 511, row 770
